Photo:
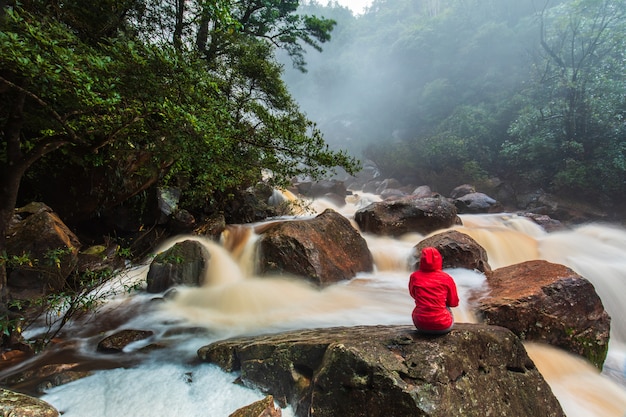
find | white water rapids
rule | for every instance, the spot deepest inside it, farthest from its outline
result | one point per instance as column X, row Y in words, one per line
column 171, row 382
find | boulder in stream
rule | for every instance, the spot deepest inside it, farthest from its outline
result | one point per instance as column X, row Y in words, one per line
column 15, row 404
column 549, row 303
column 324, row 250
column 409, row 214
column 379, row 371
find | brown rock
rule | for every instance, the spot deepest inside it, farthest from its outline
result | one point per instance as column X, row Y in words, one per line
column 545, row 302
column 381, row 371
column 457, row 249
column 118, row 341
column 19, row 405
column 49, row 244
column 325, row 249
column 261, row 408
column 462, row 190
column 408, row 214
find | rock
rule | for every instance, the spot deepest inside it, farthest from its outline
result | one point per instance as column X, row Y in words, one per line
column 546, row 222
column 211, row 227
column 388, row 184
column 549, row 303
column 405, row 215
column 319, row 189
column 476, row 203
column 261, row 408
column 182, row 264
column 391, row 194
column 336, row 199
column 118, row 341
column 423, row 191
column 14, row 404
column 371, row 186
column 462, row 190
column 100, row 258
column 475, row 370
column 36, row 380
column 457, row 249
column 324, row 250
column 49, row 244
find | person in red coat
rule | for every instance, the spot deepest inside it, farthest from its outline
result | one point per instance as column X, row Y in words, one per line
column 434, row 292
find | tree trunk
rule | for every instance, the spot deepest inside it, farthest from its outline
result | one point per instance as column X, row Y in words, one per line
column 179, row 24
column 12, row 172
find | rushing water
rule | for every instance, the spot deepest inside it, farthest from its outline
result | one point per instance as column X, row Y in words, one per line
column 235, row 302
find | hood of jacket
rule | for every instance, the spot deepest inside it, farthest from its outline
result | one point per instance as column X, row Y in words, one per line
column 430, row 260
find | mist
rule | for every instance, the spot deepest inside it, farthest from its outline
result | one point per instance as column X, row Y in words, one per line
column 463, row 90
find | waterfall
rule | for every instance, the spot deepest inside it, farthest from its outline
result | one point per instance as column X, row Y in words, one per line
column 236, row 302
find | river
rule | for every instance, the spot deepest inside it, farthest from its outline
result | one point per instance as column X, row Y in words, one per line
column 170, row 381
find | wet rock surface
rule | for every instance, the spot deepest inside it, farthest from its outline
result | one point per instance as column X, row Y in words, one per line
column 457, row 249
column 549, row 303
column 475, row 370
column 14, row 404
column 324, row 250
column 406, row 215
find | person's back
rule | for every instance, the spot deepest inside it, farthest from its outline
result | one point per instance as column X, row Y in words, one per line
column 434, row 292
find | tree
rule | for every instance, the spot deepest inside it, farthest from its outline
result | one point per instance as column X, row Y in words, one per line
column 104, row 98
column 570, row 134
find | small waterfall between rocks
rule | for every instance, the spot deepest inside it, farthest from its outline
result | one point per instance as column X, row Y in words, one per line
column 236, row 302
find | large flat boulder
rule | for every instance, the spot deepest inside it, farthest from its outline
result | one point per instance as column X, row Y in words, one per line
column 549, row 303
column 474, row 371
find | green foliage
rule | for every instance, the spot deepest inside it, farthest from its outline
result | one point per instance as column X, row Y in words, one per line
column 570, row 130
column 447, row 88
column 127, row 105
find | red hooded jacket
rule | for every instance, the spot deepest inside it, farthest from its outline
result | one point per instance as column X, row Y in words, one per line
column 433, row 291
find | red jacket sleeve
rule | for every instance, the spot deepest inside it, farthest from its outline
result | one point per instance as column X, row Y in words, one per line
column 453, row 296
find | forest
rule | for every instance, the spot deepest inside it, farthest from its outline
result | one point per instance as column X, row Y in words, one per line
column 444, row 92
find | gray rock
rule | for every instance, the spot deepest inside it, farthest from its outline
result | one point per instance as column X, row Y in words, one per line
column 405, row 215
column 473, row 371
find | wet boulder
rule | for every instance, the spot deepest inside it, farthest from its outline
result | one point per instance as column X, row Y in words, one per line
column 317, row 189
column 406, row 215
column 381, row 371
column 423, row 191
column 116, row 343
column 476, row 203
column 324, row 249
column 462, row 190
column 182, row 264
column 37, row 233
column 550, row 303
column 261, row 408
column 457, row 249
column 15, row 404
